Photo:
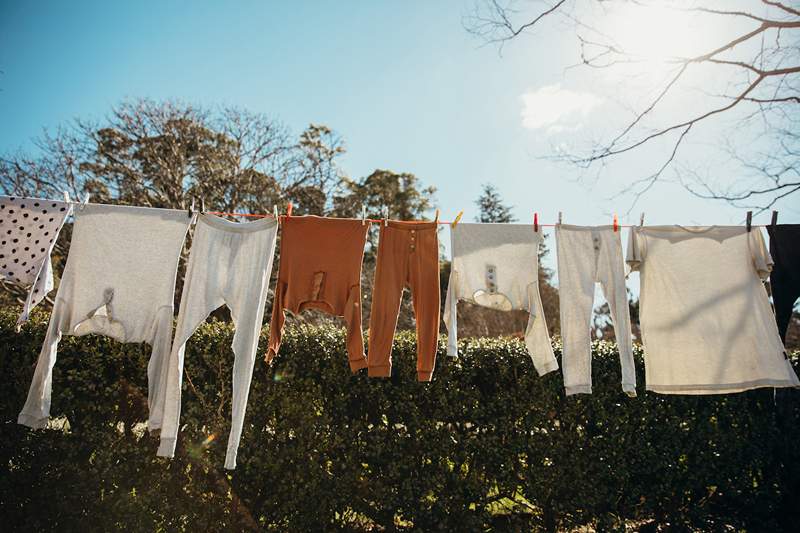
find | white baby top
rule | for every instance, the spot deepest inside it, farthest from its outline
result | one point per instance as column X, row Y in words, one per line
column 119, row 281
column 707, row 326
column 29, row 228
column 497, row 266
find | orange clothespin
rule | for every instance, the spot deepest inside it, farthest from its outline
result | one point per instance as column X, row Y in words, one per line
column 289, row 210
column 536, row 222
column 458, row 217
column 616, row 223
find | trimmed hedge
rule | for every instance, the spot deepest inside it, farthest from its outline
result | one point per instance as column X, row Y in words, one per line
column 486, row 445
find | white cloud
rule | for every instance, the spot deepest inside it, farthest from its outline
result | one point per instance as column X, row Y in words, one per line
column 556, row 109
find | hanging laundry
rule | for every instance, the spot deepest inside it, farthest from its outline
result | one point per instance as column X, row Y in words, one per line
column 119, row 281
column 320, row 268
column 784, row 246
column 230, row 263
column 497, row 266
column 408, row 256
column 29, row 228
column 707, row 326
column 588, row 255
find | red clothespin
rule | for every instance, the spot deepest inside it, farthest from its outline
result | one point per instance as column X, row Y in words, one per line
column 616, row 223
column 289, row 210
column 536, row 222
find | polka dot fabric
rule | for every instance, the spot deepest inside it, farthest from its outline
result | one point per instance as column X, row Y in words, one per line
column 28, row 230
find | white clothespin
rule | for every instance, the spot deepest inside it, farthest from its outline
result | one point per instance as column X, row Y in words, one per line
column 385, row 215
column 85, row 201
column 275, row 211
column 363, row 214
column 66, row 197
column 202, row 204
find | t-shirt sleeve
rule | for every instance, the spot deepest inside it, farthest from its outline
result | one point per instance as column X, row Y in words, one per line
column 762, row 260
column 634, row 255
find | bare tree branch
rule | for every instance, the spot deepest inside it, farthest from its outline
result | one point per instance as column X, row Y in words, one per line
column 769, row 88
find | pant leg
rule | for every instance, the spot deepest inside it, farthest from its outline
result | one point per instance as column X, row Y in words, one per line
column 424, row 282
column 611, row 274
column 36, row 411
column 202, row 293
column 576, row 295
column 355, row 337
column 390, row 278
column 246, row 296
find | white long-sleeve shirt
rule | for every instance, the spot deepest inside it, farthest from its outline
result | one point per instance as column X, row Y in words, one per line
column 497, row 266
column 119, row 281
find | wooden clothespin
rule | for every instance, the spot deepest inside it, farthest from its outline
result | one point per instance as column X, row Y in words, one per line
column 289, row 209
column 436, row 219
column 363, row 214
column 385, row 215
column 457, row 219
column 774, row 218
column 641, row 220
column 749, row 221
column 616, row 223
column 559, row 218
column 85, row 201
column 535, row 222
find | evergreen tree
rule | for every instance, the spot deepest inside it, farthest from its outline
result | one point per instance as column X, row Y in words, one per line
column 491, row 206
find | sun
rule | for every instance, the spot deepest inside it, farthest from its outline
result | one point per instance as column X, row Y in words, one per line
column 650, row 37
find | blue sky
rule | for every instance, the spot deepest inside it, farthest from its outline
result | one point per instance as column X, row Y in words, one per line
column 402, row 82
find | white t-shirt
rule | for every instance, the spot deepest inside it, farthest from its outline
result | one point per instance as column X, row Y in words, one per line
column 707, row 326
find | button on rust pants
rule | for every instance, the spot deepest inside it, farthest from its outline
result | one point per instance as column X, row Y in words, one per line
column 408, row 256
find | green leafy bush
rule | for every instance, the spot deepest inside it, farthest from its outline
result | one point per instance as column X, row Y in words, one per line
column 486, row 445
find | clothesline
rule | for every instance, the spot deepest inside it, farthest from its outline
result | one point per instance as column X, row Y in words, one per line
column 381, row 220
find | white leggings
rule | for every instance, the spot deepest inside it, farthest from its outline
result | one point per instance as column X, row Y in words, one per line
column 230, row 263
column 587, row 255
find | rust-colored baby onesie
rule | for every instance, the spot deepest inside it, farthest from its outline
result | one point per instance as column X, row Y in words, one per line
column 408, row 256
column 320, row 268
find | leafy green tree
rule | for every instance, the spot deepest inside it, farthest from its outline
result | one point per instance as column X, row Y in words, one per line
column 161, row 154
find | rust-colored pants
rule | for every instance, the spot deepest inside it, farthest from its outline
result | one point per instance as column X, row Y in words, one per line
column 408, row 256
